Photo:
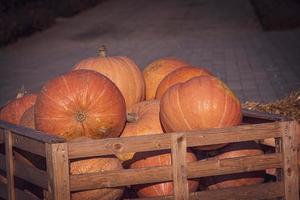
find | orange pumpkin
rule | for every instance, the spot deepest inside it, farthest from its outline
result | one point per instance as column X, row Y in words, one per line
column 160, row 189
column 157, row 70
column 180, row 75
column 143, row 119
column 234, row 180
column 202, row 102
column 27, row 118
column 92, row 166
column 80, row 103
column 13, row 111
column 120, row 70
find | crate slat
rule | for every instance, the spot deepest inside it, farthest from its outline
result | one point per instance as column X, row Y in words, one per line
column 29, row 144
column 253, row 192
column 1, row 136
column 179, row 167
column 25, row 195
column 3, row 190
column 9, row 165
column 163, row 141
column 195, row 169
column 263, row 115
column 290, row 169
column 58, row 171
column 27, row 172
column 31, row 133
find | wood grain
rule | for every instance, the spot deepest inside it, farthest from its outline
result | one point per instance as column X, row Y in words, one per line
column 29, row 144
column 9, row 165
column 1, row 135
column 253, row 192
column 25, row 195
column 113, row 146
column 3, row 190
column 31, row 133
column 179, row 167
column 290, row 169
column 194, row 169
column 58, row 171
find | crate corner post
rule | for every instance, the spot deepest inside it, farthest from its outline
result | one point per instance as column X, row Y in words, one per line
column 58, row 171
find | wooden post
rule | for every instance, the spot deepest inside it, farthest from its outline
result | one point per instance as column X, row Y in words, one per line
column 290, row 169
column 9, row 165
column 58, row 171
column 179, row 165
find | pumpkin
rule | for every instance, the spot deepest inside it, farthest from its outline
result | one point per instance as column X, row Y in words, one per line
column 92, row 166
column 122, row 71
column 143, row 119
column 157, row 70
column 160, row 189
column 13, row 111
column 179, row 76
column 80, row 103
column 27, row 118
column 234, row 150
column 200, row 103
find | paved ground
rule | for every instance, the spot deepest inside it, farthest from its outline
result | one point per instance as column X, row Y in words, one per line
column 223, row 36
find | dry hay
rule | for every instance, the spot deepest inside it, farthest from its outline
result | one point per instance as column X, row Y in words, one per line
column 289, row 106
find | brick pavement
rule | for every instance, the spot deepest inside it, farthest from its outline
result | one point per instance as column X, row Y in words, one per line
column 223, row 36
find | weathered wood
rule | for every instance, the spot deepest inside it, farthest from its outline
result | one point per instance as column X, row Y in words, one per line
column 252, row 192
column 163, row 141
column 31, row 133
column 58, row 171
column 29, row 144
column 27, row 172
column 263, row 115
column 290, row 173
column 9, row 165
column 1, row 136
column 179, row 166
column 25, row 195
column 164, row 173
column 3, row 190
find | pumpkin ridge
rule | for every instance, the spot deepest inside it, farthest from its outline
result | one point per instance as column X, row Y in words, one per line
column 180, row 110
column 97, row 98
column 225, row 109
column 132, row 72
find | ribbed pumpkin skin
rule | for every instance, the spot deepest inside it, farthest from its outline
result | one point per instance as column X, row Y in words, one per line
column 122, row 71
column 179, row 76
column 27, row 118
column 160, row 189
column 80, row 103
column 235, row 180
column 96, row 165
column 146, row 123
column 200, row 103
column 13, row 111
column 157, row 70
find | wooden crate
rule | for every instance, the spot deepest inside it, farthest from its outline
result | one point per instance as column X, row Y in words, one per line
column 58, row 183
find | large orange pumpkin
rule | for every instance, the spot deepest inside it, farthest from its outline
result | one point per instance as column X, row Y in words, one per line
column 180, row 75
column 80, row 103
column 92, row 166
column 143, row 119
column 234, row 180
column 13, row 111
column 157, row 70
column 202, row 102
column 27, row 118
column 122, row 71
column 160, row 189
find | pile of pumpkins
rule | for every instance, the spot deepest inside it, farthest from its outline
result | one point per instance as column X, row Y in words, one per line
column 103, row 97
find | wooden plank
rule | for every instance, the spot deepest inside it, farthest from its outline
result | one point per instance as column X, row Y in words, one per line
column 29, row 144
column 9, row 165
column 31, row 133
column 3, row 190
column 290, row 159
column 58, row 171
column 1, row 136
column 27, row 172
column 253, row 192
column 25, row 195
column 163, row 141
column 164, row 173
column 179, row 167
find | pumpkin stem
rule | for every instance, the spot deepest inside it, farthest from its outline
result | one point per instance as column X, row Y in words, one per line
column 132, row 117
column 103, row 51
column 80, row 116
column 21, row 92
